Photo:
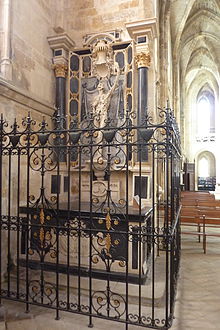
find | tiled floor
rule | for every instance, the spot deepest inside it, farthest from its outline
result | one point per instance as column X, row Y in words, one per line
column 197, row 302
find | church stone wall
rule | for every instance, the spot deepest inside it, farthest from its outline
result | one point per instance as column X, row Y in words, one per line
column 88, row 16
column 31, row 55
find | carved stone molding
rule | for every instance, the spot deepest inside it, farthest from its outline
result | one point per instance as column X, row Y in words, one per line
column 26, row 99
column 109, row 36
column 143, row 59
column 102, row 59
column 146, row 27
column 61, row 41
column 61, row 44
column 60, row 70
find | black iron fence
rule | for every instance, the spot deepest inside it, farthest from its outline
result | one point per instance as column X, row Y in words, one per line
column 87, row 226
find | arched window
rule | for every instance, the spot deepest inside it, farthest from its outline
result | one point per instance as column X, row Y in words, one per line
column 205, row 112
column 203, row 167
column 206, row 168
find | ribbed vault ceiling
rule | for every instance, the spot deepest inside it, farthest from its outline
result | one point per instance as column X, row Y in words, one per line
column 195, row 27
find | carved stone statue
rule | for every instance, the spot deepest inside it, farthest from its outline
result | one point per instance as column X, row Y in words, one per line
column 101, row 103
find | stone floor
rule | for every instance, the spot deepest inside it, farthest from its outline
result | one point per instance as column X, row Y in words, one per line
column 197, row 302
column 198, row 298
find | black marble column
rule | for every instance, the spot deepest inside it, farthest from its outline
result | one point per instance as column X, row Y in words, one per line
column 60, row 73
column 142, row 94
column 142, row 107
column 61, row 95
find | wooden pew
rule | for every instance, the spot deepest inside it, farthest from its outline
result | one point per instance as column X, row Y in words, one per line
column 190, row 216
column 209, row 204
column 196, row 195
column 210, row 221
column 188, row 192
column 203, row 219
column 209, row 212
column 199, row 199
column 200, row 209
column 198, row 222
column 203, row 197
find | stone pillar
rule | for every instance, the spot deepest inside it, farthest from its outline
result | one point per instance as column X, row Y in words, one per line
column 5, row 60
column 216, row 153
column 143, row 62
column 60, row 70
column 61, row 44
column 144, row 33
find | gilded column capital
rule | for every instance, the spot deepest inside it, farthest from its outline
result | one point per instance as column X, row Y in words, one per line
column 60, row 70
column 143, row 59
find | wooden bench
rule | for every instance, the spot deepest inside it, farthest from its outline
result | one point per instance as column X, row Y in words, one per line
column 190, row 192
column 197, row 196
column 209, row 212
column 209, row 204
column 210, row 221
column 205, row 219
column 194, row 220
column 200, row 209
column 196, row 199
column 198, row 234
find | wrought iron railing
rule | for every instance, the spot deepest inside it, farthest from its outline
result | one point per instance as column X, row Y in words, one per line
column 72, row 236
